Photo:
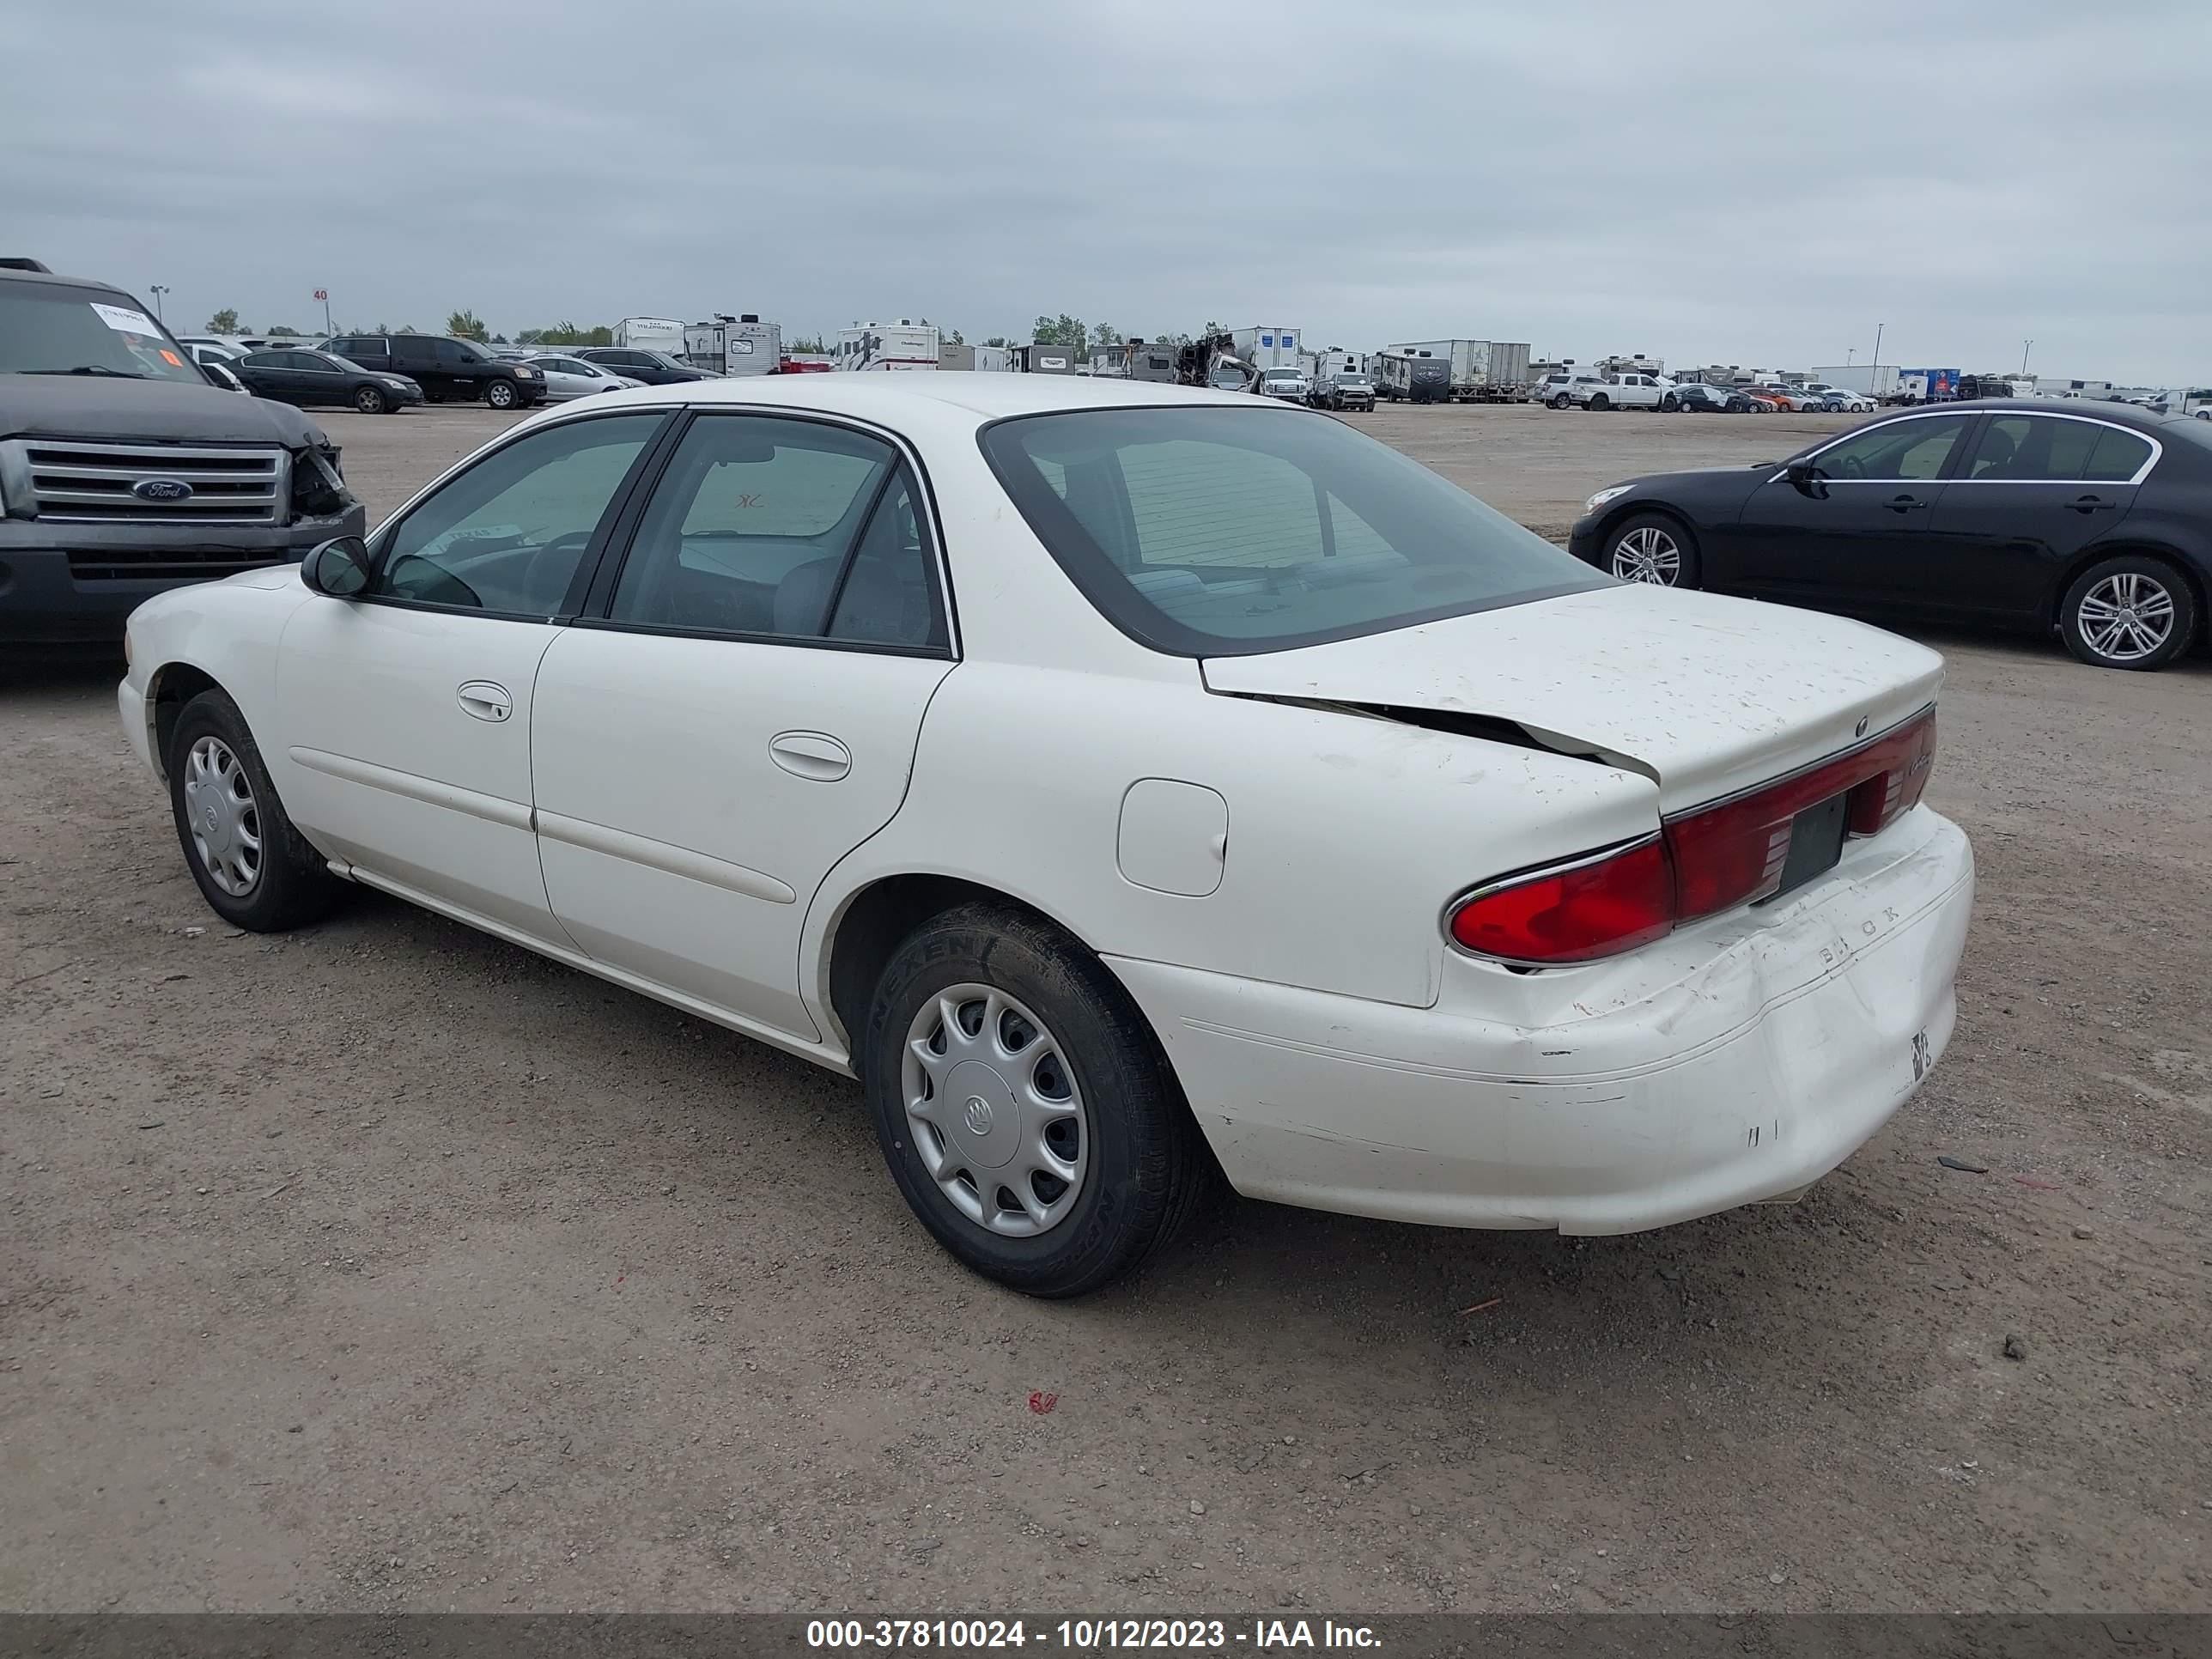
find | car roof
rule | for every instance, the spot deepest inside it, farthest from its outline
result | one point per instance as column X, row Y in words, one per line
column 888, row 396
column 2118, row 413
column 9, row 273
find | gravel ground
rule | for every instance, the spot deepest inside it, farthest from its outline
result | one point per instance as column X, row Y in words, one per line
column 386, row 1266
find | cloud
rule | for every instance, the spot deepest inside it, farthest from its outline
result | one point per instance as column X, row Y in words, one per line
column 1735, row 182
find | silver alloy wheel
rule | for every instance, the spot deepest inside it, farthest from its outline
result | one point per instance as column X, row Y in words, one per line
column 994, row 1111
column 1648, row 554
column 2126, row 616
column 224, row 819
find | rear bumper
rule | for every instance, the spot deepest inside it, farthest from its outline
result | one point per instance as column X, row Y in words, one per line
column 1737, row 1061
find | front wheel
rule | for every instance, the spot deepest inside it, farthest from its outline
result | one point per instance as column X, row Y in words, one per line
column 1670, row 403
column 371, row 401
column 2131, row 611
column 1026, row 1110
column 1653, row 547
column 1562, row 401
column 500, row 394
column 255, row 870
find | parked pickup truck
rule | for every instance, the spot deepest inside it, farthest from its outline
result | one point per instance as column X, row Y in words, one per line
column 126, row 470
column 1624, row 392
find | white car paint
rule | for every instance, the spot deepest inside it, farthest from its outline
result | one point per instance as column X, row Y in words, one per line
column 568, row 378
column 1275, row 911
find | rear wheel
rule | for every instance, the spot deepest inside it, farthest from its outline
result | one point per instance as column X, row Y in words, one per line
column 1653, row 547
column 2132, row 611
column 500, row 394
column 1026, row 1110
column 1599, row 400
column 254, row 868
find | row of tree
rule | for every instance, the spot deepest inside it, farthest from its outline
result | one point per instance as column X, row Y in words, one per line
column 1062, row 331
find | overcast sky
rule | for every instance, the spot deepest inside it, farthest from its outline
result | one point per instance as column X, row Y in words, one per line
column 1753, row 183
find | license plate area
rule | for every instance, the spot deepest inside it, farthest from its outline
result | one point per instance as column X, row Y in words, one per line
column 1816, row 844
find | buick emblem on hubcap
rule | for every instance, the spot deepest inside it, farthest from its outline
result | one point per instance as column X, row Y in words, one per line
column 976, row 1114
column 211, row 814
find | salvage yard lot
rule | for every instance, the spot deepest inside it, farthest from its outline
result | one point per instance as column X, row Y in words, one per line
column 384, row 1266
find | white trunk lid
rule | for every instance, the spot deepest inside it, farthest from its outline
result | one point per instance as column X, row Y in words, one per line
column 1708, row 696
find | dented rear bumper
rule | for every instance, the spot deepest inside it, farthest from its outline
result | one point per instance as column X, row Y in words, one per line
column 1736, row 1061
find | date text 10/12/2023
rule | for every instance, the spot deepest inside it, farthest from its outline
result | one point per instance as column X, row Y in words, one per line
column 1091, row 1635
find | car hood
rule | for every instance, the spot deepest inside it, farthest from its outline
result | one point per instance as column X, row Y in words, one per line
column 87, row 406
column 1706, row 695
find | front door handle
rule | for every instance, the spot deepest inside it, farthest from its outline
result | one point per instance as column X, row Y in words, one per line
column 813, row 755
column 2085, row 505
column 1905, row 504
column 486, row 700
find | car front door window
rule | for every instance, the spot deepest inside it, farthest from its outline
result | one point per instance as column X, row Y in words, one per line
column 1908, row 451
column 508, row 535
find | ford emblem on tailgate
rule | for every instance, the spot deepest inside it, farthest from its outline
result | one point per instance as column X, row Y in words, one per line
column 162, row 489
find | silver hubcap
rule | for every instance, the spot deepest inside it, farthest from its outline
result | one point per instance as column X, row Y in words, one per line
column 994, row 1111
column 224, row 820
column 2126, row 616
column 1648, row 554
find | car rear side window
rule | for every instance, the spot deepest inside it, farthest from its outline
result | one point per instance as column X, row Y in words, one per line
column 2025, row 449
column 782, row 528
column 1210, row 530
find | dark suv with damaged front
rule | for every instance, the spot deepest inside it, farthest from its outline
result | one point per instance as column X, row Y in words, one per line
column 125, row 471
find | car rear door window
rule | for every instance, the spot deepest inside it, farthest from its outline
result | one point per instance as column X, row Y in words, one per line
column 784, row 528
column 507, row 535
column 2033, row 448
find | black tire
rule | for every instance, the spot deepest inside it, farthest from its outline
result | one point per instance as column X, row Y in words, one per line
column 371, row 400
column 292, row 884
column 502, row 394
column 1666, row 540
column 2156, row 585
column 1562, row 401
column 1147, row 1164
column 1598, row 400
column 1670, row 403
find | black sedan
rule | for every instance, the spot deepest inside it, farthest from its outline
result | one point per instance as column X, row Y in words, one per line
column 323, row 377
column 647, row 367
column 2019, row 514
column 1711, row 400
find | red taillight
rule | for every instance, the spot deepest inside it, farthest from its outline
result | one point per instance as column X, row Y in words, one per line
column 1702, row 862
column 1576, row 915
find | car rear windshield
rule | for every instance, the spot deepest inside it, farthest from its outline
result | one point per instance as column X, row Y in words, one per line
column 1216, row 531
column 53, row 328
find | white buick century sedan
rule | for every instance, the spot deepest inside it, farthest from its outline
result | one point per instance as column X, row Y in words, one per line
column 1123, row 783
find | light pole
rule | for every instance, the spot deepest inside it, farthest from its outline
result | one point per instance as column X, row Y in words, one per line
column 158, row 291
column 1878, row 328
column 1850, row 353
column 2024, row 346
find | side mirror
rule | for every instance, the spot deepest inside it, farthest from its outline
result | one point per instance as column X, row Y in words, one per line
column 338, row 568
column 1806, row 478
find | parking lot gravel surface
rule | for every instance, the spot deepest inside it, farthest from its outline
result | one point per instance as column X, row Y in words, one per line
column 383, row 1266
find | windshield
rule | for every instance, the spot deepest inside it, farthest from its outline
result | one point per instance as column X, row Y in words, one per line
column 1352, row 379
column 1217, row 532
column 54, row 328
column 1282, row 375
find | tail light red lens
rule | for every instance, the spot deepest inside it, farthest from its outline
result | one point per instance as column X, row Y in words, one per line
column 1702, row 862
column 1579, row 913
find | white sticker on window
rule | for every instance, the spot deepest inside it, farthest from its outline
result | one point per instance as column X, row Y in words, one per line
column 123, row 320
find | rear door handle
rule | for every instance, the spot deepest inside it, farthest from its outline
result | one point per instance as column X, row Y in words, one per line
column 814, row 755
column 2086, row 505
column 1905, row 504
column 486, row 700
